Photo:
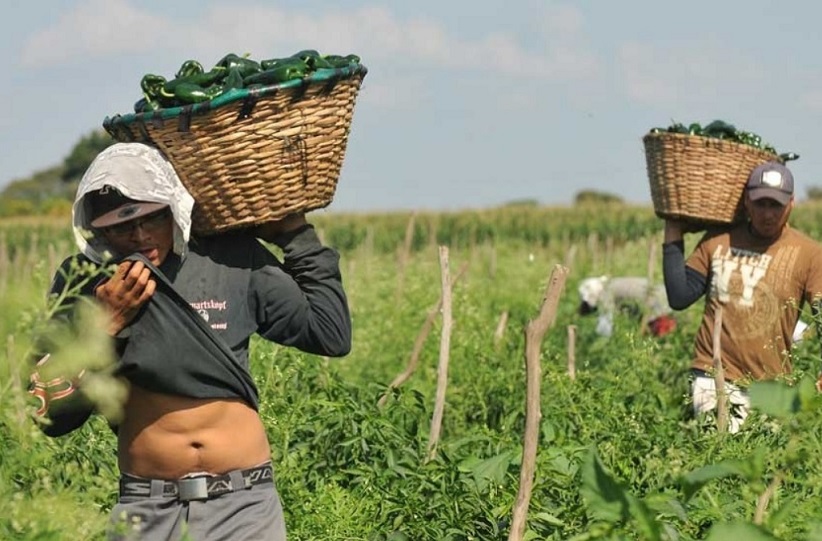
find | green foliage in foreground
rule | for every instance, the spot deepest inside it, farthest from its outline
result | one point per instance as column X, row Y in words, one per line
column 618, row 456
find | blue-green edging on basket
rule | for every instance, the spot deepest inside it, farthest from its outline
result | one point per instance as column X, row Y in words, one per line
column 258, row 154
column 322, row 75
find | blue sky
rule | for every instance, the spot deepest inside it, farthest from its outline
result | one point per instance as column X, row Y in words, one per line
column 466, row 104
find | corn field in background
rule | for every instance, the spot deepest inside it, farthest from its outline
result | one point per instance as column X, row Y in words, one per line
column 618, row 457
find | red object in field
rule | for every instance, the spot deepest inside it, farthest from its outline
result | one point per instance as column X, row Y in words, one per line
column 662, row 325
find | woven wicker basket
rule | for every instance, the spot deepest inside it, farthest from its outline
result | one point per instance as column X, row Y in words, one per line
column 255, row 155
column 699, row 179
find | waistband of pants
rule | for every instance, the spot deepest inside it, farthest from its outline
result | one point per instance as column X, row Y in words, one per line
column 196, row 487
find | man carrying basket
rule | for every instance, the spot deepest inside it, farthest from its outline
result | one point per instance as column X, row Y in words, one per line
column 761, row 272
column 192, row 449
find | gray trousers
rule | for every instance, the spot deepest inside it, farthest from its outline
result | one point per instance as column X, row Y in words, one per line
column 253, row 514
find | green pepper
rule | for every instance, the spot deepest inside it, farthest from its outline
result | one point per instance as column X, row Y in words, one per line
column 336, row 60
column 272, row 62
column 319, row 62
column 294, row 69
column 203, row 80
column 312, row 59
column 246, row 65
column 189, row 68
column 677, row 128
column 152, row 85
column 748, row 138
column 306, row 53
column 191, row 93
column 720, row 130
column 144, row 105
column 234, row 79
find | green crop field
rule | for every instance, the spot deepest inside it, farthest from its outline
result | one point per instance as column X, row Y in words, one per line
column 617, row 456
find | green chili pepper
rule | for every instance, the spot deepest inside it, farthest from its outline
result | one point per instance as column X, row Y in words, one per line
column 144, row 105
column 152, row 85
column 720, row 130
column 336, row 60
column 319, row 62
column 203, row 80
column 191, row 93
column 677, row 128
column 313, row 60
column 246, row 65
column 352, row 59
column 295, row 69
column 189, row 68
column 306, row 53
column 271, row 63
column 234, row 79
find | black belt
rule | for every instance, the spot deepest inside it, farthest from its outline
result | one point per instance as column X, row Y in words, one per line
column 198, row 487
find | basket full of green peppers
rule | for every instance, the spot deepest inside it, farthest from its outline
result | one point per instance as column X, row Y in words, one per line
column 251, row 140
column 698, row 173
column 192, row 84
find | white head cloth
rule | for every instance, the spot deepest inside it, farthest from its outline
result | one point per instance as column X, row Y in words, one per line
column 142, row 173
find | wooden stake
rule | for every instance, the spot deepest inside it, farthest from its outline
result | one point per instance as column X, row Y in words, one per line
column 445, row 345
column 570, row 255
column 765, row 498
column 414, row 358
column 534, row 333
column 719, row 374
column 500, row 330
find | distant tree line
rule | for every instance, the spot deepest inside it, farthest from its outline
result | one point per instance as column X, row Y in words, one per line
column 51, row 191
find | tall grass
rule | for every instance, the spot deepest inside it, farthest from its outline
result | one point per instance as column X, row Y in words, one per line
column 348, row 469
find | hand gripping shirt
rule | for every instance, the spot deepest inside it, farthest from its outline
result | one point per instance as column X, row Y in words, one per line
column 192, row 337
column 761, row 286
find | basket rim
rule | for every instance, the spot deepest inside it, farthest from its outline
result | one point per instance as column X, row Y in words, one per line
column 715, row 141
column 236, row 94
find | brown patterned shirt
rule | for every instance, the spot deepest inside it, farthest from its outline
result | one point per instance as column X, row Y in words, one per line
column 762, row 286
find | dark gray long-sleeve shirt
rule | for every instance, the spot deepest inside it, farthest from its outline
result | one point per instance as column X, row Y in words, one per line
column 683, row 285
column 237, row 287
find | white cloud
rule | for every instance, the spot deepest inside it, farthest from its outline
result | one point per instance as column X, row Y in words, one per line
column 95, row 28
column 693, row 73
column 112, row 27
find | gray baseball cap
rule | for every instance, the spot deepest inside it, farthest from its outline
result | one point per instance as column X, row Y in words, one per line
column 771, row 180
column 110, row 207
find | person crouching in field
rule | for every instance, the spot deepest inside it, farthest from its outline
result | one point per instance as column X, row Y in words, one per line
column 192, row 449
column 761, row 272
column 605, row 296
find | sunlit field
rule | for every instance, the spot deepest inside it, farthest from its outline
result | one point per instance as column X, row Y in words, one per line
column 618, row 456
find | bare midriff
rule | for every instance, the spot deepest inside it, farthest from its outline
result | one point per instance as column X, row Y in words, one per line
column 167, row 437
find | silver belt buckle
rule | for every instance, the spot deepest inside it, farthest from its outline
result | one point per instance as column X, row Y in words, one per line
column 194, row 488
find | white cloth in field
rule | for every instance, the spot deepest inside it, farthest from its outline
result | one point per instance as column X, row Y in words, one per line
column 608, row 294
column 140, row 172
column 703, row 393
